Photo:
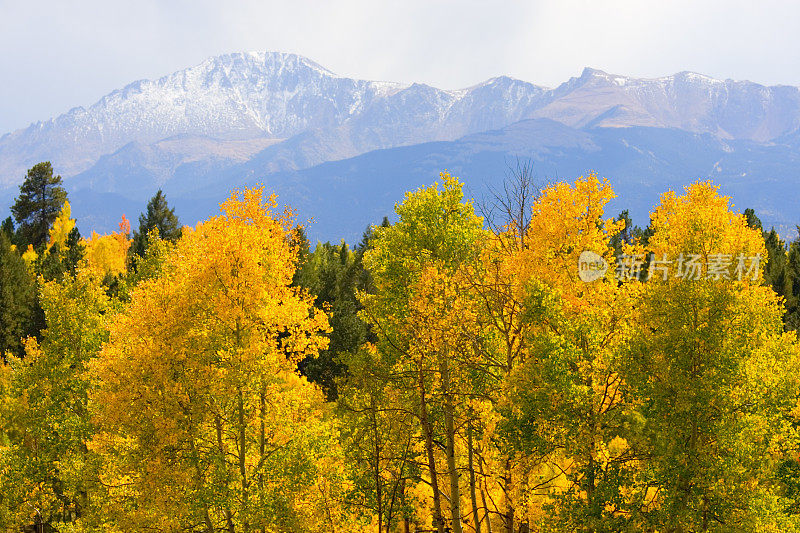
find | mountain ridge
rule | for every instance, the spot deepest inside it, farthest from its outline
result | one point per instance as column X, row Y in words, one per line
column 277, row 95
column 343, row 197
column 267, row 116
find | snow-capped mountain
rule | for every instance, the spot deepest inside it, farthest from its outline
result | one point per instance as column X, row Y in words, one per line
column 263, row 116
column 687, row 101
column 236, row 96
column 253, row 95
column 276, row 96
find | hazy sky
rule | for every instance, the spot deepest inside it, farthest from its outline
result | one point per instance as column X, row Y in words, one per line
column 57, row 55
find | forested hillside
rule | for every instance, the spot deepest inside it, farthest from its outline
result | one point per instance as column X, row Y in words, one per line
column 528, row 363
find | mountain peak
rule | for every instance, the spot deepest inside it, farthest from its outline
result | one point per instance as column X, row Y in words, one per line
column 696, row 77
column 684, row 76
column 241, row 96
column 596, row 75
column 589, row 72
column 274, row 61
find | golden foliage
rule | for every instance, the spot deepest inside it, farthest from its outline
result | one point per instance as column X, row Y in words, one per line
column 62, row 225
column 107, row 254
column 30, row 255
column 701, row 222
column 202, row 416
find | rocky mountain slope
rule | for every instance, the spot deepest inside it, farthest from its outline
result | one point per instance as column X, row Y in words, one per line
column 263, row 116
column 262, row 95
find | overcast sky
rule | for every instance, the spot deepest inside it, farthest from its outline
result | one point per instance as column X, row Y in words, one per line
column 57, row 55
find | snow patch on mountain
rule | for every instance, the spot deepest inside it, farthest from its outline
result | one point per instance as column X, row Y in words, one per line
column 286, row 111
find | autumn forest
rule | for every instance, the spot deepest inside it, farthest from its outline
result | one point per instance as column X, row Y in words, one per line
column 455, row 371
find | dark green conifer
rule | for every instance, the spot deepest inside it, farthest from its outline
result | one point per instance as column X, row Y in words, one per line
column 40, row 199
column 17, row 299
column 158, row 216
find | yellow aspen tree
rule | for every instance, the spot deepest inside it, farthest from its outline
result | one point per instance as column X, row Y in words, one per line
column 717, row 377
column 30, row 255
column 424, row 320
column 203, row 421
column 379, row 436
column 499, row 289
column 46, row 472
column 63, row 250
column 108, row 254
column 62, row 225
column 565, row 405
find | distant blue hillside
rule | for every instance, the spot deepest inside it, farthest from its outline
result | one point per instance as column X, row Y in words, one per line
column 344, row 197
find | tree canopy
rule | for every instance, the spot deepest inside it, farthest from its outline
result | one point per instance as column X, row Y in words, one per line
column 547, row 368
column 41, row 197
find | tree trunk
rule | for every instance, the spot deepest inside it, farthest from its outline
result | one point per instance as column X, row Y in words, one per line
column 428, row 430
column 406, row 521
column 262, row 444
column 509, row 503
column 242, row 462
column 377, row 464
column 486, row 516
column 449, row 415
column 220, row 445
column 199, row 473
column 471, row 464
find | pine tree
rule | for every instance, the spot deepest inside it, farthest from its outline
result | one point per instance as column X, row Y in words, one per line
column 300, row 241
column 334, row 274
column 782, row 269
column 7, row 227
column 17, row 298
column 159, row 216
column 791, row 319
column 331, row 274
column 775, row 267
column 40, row 199
column 752, row 220
column 626, row 235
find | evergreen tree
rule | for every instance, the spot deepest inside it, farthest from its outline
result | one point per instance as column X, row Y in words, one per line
column 38, row 204
column 329, row 274
column 7, row 227
column 363, row 277
column 333, row 274
column 775, row 267
column 149, row 266
column 159, row 216
column 300, row 242
column 791, row 319
column 781, row 269
column 17, row 299
column 629, row 234
column 61, row 258
column 752, row 220
column 625, row 236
